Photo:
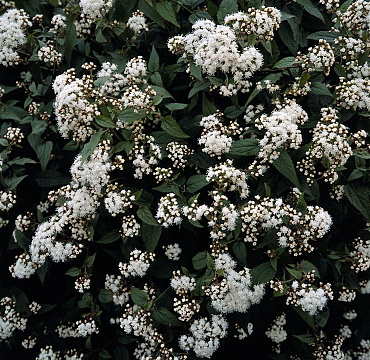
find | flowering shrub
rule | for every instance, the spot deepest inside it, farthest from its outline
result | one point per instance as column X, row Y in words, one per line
column 184, row 179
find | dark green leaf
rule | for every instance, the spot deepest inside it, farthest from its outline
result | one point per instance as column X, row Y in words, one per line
column 129, row 115
column 285, row 166
column 91, row 145
column 263, row 273
column 244, row 147
column 318, row 88
column 322, row 318
column 286, row 62
column 196, row 182
column 73, row 271
column 200, row 260
column 240, row 252
column 358, row 196
column 165, row 9
column 138, row 296
column 153, row 64
column 151, row 235
column 146, row 216
column 165, row 317
column 70, row 38
column 307, row 266
column 306, row 338
column 42, row 149
column 105, row 296
column 109, row 237
column 226, row 7
column 171, row 127
column 311, row 9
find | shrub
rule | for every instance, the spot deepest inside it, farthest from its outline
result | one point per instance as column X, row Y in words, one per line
column 184, row 179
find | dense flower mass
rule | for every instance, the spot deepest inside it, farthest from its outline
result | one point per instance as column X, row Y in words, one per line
column 184, row 180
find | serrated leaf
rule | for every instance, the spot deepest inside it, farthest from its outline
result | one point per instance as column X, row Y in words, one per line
column 328, row 36
column 306, row 338
column 262, row 273
column 105, row 296
column 171, row 127
column 285, row 63
column 165, row 317
column 153, row 64
column 105, row 122
column 295, row 273
column 195, row 183
column 70, row 39
column 146, row 216
column 151, row 12
column 322, row 318
column 129, row 115
column 240, row 252
column 73, row 271
column 104, row 354
column 42, row 149
column 151, row 235
column 22, row 240
column 318, row 88
column 285, row 166
column 165, row 10
column 311, row 9
column 109, row 237
column 139, row 297
column 200, row 260
column 176, row 106
column 308, row 266
column 226, row 7
column 358, row 196
column 90, row 260
column 91, row 145
column 244, row 147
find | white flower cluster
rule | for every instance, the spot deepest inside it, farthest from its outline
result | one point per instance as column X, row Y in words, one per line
column 169, row 211
column 74, row 112
column 354, row 93
column 49, row 55
column 276, row 332
column 260, row 22
column 173, row 252
column 137, row 22
column 214, row 48
column 281, row 130
column 7, row 200
column 221, row 215
column 47, row 353
column 94, row 172
column 309, row 299
column 130, row 226
column 120, row 292
column 138, row 265
column 330, row 352
column 116, row 201
column 182, row 284
column 136, row 99
column 363, row 351
column 139, row 322
column 205, row 336
column 13, row 25
column 14, row 136
column 350, row 315
column 94, row 9
column 243, row 334
column 178, row 154
column 346, row 295
column 330, row 143
column 259, row 217
column 226, row 176
column 216, row 137
column 360, row 256
column 356, row 17
column 10, row 319
column 365, row 287
column 75, row 213
column 82, row 283
column 320, row 57
column 29, row 342
column 81, row 328
column 145, row 154
column 59, row 23
column 234, row 293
